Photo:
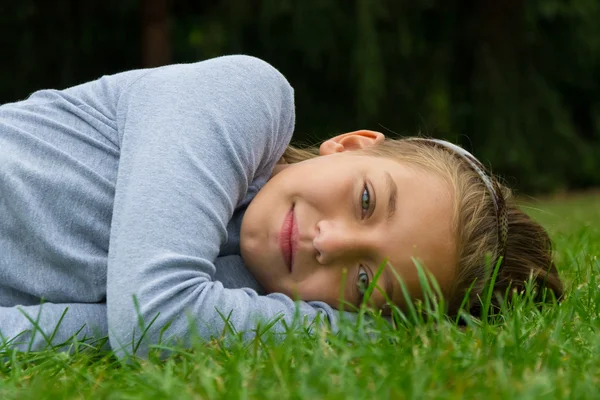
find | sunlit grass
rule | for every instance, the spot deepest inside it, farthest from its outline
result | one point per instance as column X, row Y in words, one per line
column 527, row 353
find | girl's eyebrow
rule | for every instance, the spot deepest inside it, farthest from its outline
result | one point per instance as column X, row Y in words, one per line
column 389, row 283
column 387, row 289
column 393, row 192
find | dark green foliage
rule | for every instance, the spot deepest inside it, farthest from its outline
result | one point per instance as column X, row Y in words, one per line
column 516, row 82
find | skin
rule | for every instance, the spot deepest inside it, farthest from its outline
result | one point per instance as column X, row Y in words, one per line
column 343, row 239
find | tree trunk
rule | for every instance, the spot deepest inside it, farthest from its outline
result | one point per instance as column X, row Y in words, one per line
column 156, row 38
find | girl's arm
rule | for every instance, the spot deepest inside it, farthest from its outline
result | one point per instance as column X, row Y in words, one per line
column 37, row 327
column 193, row 138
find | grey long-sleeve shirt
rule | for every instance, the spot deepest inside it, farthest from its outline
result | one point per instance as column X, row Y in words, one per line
column 135, row 184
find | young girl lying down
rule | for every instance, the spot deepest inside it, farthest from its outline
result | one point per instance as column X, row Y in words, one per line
column 177, row 186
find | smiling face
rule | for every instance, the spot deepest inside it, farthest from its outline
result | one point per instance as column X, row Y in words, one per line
column 320, row 229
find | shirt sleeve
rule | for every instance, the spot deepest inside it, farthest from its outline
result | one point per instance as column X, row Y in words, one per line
column 193, row 138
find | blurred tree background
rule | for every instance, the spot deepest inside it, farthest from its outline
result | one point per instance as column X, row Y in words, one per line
column 515, row 81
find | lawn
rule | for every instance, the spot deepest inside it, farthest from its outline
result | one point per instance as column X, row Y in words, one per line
column 553, row 353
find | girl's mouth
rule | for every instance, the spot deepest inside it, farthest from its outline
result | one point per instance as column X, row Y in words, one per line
column 288, row 237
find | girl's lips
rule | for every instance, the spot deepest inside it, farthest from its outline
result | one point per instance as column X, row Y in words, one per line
column 288, row 237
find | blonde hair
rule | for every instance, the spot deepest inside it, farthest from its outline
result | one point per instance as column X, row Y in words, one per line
column 528, row 251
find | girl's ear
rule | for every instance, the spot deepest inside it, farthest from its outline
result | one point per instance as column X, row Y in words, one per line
column 350, row 141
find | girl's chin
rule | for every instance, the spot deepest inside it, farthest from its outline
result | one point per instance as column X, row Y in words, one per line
column 283, row 289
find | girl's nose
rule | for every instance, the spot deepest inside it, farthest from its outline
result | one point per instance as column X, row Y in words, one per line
column 335, row 240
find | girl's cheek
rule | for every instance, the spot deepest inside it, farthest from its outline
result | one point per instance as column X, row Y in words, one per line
column 324, row 285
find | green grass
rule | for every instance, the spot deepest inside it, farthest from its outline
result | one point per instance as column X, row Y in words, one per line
column 527, row 354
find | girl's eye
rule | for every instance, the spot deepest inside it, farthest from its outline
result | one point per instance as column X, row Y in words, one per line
column 365, row 201
column 362, row 281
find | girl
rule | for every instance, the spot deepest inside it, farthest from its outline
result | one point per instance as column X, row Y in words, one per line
column 163, row 187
